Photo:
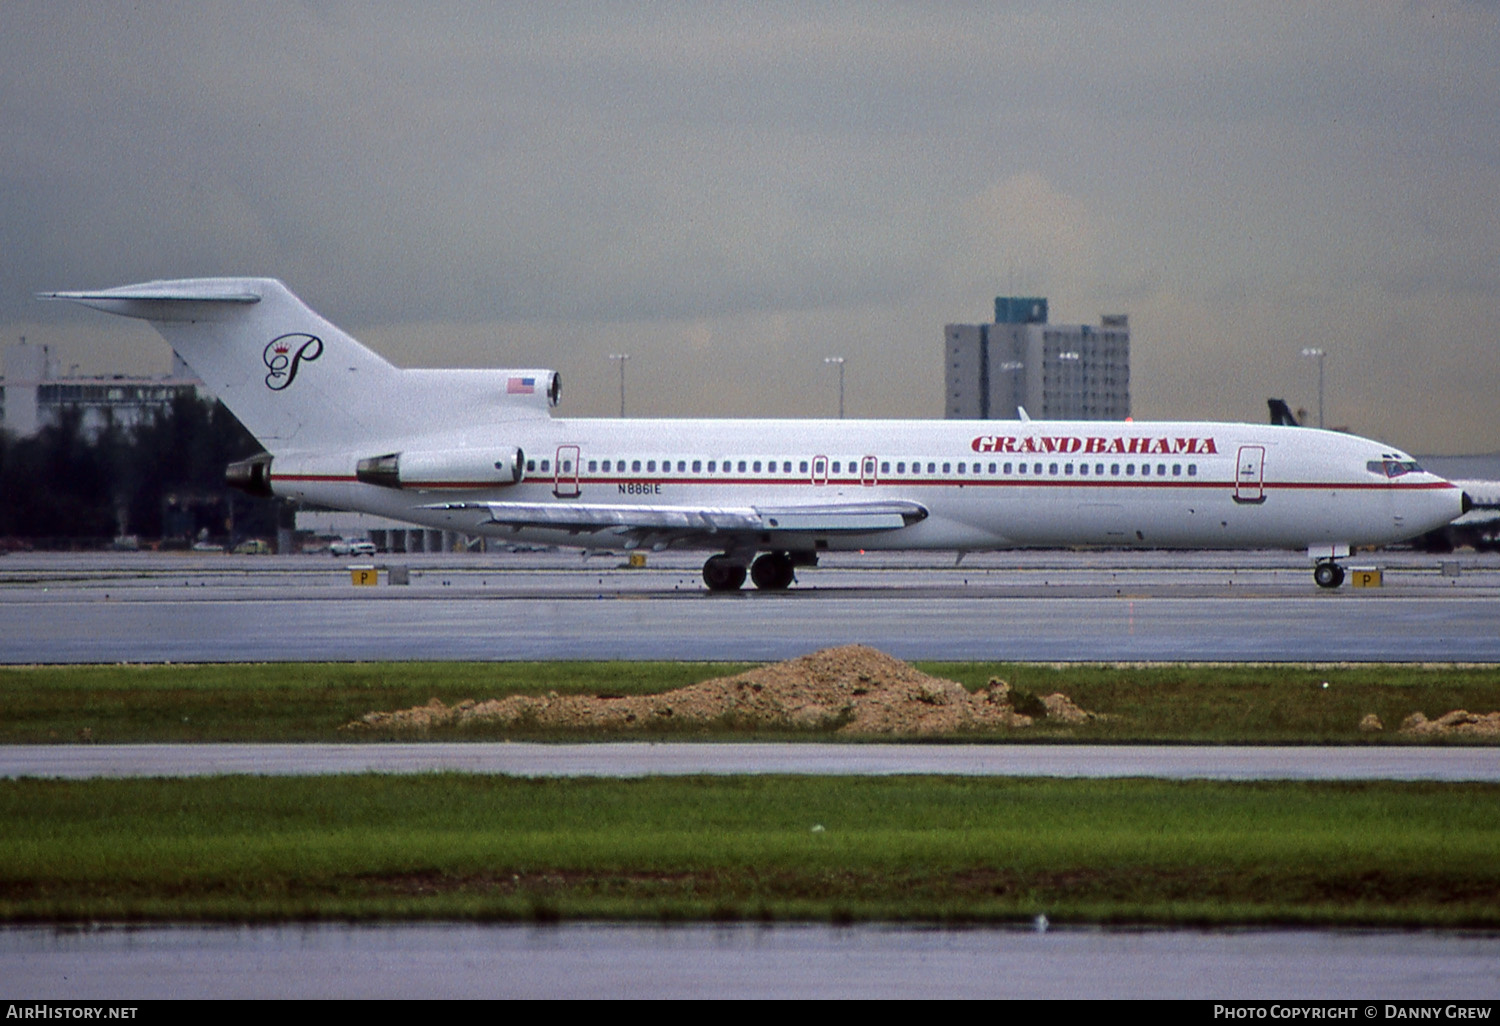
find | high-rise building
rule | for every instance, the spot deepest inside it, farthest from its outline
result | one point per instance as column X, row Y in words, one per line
column 33, row 394
column 1053, row 371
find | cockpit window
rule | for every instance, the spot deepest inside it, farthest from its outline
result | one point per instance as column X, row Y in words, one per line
column 1392, row 467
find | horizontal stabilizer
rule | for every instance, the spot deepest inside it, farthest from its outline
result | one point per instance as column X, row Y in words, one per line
column 161, row 300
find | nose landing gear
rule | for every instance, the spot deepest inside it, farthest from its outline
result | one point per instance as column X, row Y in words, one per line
column 1328, row 574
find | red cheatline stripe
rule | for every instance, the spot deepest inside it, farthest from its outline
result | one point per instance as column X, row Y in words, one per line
column 1049, row 482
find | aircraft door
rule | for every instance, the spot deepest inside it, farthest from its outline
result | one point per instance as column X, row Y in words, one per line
column 820, row 470
column 565, row 483
column 867, row 471
column 1249, row 475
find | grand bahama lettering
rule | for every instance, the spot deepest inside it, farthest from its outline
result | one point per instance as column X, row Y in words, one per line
column 1097, row 444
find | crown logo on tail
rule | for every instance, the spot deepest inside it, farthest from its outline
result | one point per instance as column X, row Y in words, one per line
column 285, row 353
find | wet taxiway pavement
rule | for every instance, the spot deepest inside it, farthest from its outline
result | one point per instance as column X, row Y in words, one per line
column 1016, row 606
column 744, row 961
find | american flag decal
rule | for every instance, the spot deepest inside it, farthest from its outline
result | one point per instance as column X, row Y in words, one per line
column 520, row 386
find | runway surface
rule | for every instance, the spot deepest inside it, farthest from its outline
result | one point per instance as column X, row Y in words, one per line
column 640, row 759
column 1052, row 606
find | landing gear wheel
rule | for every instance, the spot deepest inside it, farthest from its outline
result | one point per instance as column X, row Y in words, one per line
column 721, row 573
column 772, row 572
column 1328, row 574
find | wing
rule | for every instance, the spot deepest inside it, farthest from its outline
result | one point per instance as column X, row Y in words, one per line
column 665, row 524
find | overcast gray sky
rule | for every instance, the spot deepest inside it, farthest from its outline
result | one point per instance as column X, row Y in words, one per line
column 730, row 192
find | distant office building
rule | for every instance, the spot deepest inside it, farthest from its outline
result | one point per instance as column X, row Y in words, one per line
column 33, row 394
column 1054, row 371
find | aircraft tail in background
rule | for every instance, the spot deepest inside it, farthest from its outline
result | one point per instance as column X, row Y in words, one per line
column 1281, row 413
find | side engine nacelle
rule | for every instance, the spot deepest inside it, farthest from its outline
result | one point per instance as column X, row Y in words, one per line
column 440, row 471
column 251, row 476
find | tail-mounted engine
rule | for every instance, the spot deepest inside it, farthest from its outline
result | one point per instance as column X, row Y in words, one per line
column 437, row 471
column 252, row 476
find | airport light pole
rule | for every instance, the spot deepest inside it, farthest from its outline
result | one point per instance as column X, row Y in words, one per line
column 1315, row 351
column 621, row 358
column 839, row 360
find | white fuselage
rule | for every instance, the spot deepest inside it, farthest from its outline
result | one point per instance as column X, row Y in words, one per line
column 984, row 484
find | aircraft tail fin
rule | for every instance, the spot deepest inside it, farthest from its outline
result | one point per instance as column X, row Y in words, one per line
column 1282, row 414
column 295, row 380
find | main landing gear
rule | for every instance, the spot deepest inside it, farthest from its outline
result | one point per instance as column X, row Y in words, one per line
column 771, row 571
column 721, row 573
column 1328, row 574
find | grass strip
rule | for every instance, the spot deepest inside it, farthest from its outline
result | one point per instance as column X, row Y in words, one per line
column 836, row 849
column 1207, row 704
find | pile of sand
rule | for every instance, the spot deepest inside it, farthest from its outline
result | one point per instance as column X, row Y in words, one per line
column 1459, row 722
column 853, row 690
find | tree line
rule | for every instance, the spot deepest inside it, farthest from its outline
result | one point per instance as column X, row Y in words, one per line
column 162, row 478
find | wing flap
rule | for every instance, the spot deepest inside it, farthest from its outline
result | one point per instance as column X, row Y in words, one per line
column 579, row 517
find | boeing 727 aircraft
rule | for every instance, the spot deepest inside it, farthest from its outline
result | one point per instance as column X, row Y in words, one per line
column 479, row 452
